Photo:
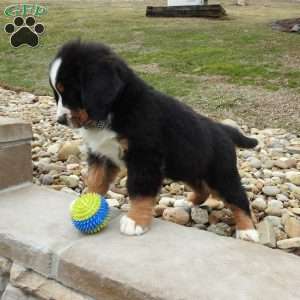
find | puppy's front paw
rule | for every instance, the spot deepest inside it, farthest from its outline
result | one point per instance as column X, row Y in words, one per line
column 129, row 227
column 248, row 235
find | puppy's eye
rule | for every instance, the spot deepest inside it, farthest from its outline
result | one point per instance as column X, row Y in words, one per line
column 60, row 87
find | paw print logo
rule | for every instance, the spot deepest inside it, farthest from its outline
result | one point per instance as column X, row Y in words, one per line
column 24, row 32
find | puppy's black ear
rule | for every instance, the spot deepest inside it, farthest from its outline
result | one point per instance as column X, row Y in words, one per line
column 100, row 86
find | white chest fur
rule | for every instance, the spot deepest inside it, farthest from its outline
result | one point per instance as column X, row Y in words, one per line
column 105, row 142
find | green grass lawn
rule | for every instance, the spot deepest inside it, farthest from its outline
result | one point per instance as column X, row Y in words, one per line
column 187, row 58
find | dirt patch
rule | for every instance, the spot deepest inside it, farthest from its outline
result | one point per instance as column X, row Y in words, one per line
column 287, row 25
column 148, row 68
column 250, row 105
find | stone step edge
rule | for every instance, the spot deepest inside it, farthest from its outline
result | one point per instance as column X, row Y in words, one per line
column 23, row 253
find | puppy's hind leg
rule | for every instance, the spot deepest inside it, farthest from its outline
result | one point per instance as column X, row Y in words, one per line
column 230, row 189
column 200, row 192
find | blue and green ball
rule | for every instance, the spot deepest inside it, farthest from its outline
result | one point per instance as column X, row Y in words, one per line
column 90, row 213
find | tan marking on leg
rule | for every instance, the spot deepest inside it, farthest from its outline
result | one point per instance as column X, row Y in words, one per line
column 99, row 177
column 123, row 143
column 200, row 193
column 141, row 210
column 243, row 221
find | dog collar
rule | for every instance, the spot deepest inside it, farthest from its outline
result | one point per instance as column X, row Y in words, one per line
column 104, row 124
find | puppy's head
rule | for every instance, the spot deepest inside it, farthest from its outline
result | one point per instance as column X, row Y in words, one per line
column 86, row 82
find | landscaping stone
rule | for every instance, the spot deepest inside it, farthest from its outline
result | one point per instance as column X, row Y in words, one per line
column 220, row 229
column 176, row 214
column 274, row 208
column 289, row 243
column 274, row 220
column 71, row 181
column 113, row 202
column 296, row 210
column 116, row 196
column 5, row 265
column 182, row 203
column 255, row 163
column 281, row 197
column 285, row 163
column 12, row 293
column 260, row 204
column 158, row 210
column 224, row 215
column 199, row 215
column 67, row 149
column 39, row 286
column 267, row 235
column 46, row 179
column 213, row 203
column 271, row 190
column 293, row 177
column 292, row 227
column 167, row 201
column 294, row 149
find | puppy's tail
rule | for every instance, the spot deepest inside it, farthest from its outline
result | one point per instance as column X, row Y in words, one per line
column 238, row 138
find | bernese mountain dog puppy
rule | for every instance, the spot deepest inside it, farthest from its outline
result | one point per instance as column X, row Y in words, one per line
column 126, row 123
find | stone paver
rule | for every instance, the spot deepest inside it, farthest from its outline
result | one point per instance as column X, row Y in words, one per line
column 35, row 225
column 12, row 130
column 175, row 262
column 15, row 152
column 170, row 262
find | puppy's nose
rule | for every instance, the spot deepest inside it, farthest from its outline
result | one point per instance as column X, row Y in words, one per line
column 62, row 119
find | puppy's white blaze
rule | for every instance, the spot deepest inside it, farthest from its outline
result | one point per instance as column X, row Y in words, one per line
column 248, row 235
column 129, row 227
column 61, row 110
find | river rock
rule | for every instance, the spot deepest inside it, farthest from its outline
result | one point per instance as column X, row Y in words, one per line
column 274, row 208
column 167, row 201
column 176, row 215
column 71, row 181
column 267, row 235
column 289, row 243
column 199, row 215
column 159, row 210
column 271, row 190
column 259, row 204
column 220, row 229
column 255, row 163
column 213, row 203
column 285, row 163
column 293, row 177
column 292, row 227
column 46, row 179
column 67, row 149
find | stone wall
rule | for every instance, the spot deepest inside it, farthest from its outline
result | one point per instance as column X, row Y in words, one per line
column 19, row 283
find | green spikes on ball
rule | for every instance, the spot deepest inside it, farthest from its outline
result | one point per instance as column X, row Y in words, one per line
column 90, row 213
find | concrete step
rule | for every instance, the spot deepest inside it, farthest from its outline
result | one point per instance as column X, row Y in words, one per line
column 170, row 262
column 15, row 152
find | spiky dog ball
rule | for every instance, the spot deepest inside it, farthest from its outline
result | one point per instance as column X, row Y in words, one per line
column 90, row 213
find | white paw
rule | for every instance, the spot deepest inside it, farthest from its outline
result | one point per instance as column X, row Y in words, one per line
column 248, row 235
column 129, row 227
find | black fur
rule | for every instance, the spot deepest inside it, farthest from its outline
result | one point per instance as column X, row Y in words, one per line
column 166, row 137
